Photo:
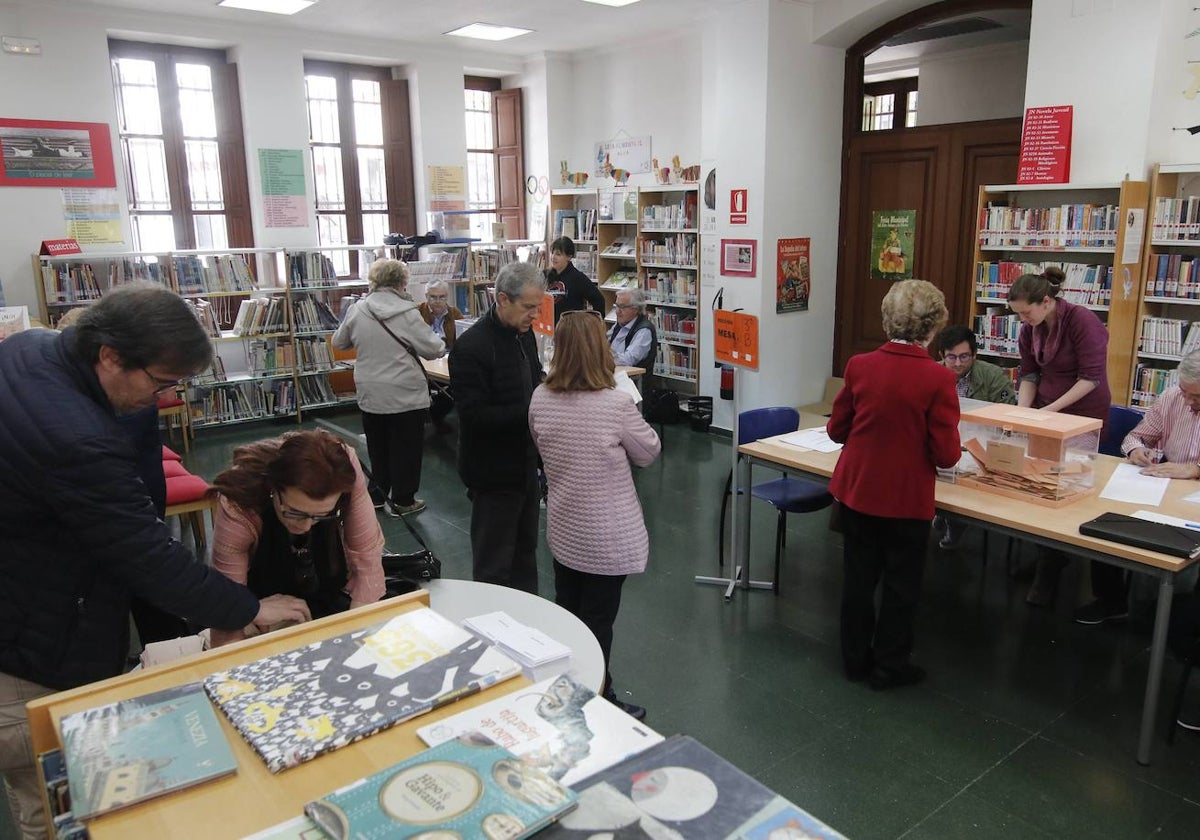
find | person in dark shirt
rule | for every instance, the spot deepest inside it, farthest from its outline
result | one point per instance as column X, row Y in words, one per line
column 572, row 289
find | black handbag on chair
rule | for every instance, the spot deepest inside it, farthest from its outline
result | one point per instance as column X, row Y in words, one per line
column 404, row 573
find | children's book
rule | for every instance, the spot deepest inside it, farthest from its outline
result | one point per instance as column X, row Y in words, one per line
column 133, row 750
column 297, row 828
column 466, row 787
column 557, row 725
column 295, row 705
column 680, row 788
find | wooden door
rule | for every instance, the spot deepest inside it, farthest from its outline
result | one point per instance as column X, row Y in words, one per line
column 934, row 170
column 398, row 157
column 510, row 168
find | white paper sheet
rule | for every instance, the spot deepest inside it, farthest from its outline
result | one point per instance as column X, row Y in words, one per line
column 1164, row 519
column 815, row 438
column 625, row 385
column 1129, row 485
column 1192, row 497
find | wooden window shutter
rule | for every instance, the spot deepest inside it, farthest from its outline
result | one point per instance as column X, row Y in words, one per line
column 510, row 161
column 234, row 181
column 398, row 156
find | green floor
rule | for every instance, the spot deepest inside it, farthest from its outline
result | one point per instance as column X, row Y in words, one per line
column 1025, row 728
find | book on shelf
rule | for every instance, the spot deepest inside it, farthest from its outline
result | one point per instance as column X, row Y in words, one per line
column 680, row 788
column 296, row 705
column 1176, row 218
column 620, row 247
column 621, row 280
column 13, row 319
column 465, row 787
column 558, row 725
column 133, row 750
column 604, row 205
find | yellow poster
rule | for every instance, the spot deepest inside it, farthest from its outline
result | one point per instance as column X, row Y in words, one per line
column 93, row 216
column 447, row 187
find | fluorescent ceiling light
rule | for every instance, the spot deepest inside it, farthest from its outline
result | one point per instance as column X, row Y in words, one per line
column 611, row 2
column 276, row 7
column 488, row 32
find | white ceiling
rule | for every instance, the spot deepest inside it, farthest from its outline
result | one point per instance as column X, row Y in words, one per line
column 559, row 25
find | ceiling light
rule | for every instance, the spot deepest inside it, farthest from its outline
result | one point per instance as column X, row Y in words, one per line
column 611, row 2
column 275, row 7
column 488, row 32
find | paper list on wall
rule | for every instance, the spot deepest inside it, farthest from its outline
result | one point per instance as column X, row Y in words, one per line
column 281, row 172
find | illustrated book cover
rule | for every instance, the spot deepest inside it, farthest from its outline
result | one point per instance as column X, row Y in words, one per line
column 466, row 787
column 557, row 725
column 136, row 749
column 296, row 705
column 681, row 789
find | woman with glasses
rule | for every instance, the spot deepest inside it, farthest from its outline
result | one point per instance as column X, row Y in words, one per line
column 594, row 519
column 294, row 517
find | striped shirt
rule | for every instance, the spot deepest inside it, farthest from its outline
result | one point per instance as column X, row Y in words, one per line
column 1169, row 425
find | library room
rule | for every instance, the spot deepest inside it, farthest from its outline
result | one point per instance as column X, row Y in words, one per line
column 865, row 505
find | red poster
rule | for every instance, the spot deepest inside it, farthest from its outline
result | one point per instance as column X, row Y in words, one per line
column 793, row 277
column 1046, row 146
column 40, row 153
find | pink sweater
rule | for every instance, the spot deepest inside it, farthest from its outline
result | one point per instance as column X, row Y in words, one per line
column 235, row 537
column 587, row 439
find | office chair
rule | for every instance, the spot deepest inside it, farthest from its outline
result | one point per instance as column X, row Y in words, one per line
column 1121, row 421
column 787, row 495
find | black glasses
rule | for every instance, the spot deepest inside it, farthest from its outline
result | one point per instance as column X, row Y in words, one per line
column 957, row 357
column 289, row 512
column 162, row 385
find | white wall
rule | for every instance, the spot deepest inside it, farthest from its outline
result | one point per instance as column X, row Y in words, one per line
column 985, row 83
column 1175, row 103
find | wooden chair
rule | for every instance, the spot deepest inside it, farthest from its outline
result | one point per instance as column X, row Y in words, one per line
column 174, row 411
column 187, row 498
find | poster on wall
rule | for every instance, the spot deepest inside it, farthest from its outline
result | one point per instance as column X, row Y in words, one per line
column 792, row 275
column 45, row 153
column 893, row 235
column 285, row 200
column 447, row 187
column 631, row 154
column 1046, row 146
column 739, row 257
column 708, row 204
column 93, row 217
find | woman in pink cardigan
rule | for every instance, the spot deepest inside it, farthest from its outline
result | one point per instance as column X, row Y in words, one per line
column 588, row 433
column 294, row 516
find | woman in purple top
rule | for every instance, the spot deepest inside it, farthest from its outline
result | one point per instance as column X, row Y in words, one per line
column 1064, row 367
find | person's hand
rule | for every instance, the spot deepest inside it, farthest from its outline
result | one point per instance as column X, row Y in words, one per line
column 1142, row 457
column 1170, row 470
column 275, row 609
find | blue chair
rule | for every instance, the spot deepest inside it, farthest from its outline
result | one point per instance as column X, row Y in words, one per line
column 787, row 495
column 1121, row 421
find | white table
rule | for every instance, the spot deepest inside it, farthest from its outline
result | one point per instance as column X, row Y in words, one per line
column 460, row 599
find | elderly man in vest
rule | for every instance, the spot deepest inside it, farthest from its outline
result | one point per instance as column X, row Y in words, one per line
column 634, row 340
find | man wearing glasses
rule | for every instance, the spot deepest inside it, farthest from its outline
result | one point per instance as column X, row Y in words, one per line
column 441, row 316
column 634, row 340
column 494, row 368
column 79, row 535
column 977, row 380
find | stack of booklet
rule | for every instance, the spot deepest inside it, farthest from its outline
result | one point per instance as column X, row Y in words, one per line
column 529, row 646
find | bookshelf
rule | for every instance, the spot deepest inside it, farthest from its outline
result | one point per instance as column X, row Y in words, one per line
column 1081, row 228
column 486, row 260
column 458, row 275
column 668, row 250
column 69, row 282
column 616, row 243
column 575, row 213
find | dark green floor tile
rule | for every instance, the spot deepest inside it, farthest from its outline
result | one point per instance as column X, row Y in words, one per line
column 968, row 816
column 1070, row 794
column 1184, row 824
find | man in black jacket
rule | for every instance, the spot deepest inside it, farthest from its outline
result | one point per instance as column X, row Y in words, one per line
column 494, row 368
column 79, row 535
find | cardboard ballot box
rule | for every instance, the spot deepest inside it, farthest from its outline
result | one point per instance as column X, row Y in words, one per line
column 1026, row 453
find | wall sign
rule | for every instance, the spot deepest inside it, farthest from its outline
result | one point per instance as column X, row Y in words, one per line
column 735, row 338
column 44, row 153
column 738, row 207
column 285, row 199
column 629, row 153
column 792, row 275
column 1046, row 146
column 739, row 257
column 892, row 244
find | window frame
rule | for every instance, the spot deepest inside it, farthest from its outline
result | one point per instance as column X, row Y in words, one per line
column 900, row 88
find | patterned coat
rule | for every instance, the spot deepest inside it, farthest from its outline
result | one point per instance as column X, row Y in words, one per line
column 587, row 440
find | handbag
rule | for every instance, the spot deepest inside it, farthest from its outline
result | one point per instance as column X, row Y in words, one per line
column 403, row 573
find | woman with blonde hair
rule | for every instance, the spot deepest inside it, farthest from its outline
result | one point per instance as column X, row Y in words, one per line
column 897, row 416
column 388, row 334
column 593, row 553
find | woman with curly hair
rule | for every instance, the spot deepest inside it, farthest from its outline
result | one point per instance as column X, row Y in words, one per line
column 294, row 516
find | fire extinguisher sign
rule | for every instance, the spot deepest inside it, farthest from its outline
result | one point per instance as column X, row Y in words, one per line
column 738, row 207
column 735, row 338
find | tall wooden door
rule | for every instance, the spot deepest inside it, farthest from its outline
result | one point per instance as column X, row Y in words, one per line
column 510, row 169
column 936, row 171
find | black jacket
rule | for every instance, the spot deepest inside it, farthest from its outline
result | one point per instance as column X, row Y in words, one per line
column 79, row 534
column 578, row 291
column 493, row 371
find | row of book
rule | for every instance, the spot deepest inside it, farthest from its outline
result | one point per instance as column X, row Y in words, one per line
column 243, row 401
column 618, row 206
column 316, row 391
column 997, row 331
column 619, row 247
column 311, row 268
column 212, row 273
column 575, row 224
column 1175, row 276
column 676, row 361
column 70, row 283
column 1150, row 382
column 585, row 261
column 206, row 315
column 487, row 262
column 440, row 266
column 261, row 316
column 673, row 326
column 681, row 214
column 1169, row 336
column 670, row 287
column 313, row 354
column 270, row 357
column 310, row 313
column 621, row 280
column 1065, row 226
column 679, row 249
column 1176, row 218
column 1090, row 285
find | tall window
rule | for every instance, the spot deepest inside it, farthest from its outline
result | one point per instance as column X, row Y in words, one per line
column 173, row 107
column 889, row 105
column 481, row 153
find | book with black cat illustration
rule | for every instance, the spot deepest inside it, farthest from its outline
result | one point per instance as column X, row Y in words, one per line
column 295, row 705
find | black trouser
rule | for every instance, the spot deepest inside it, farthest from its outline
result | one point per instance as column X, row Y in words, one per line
column 441, row 403
column 395, row 444
column 504, row 534
column 594, row 600
column 892, row 549
column 1110, row 584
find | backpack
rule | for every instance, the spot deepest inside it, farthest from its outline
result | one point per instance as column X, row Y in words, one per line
column 661, row 405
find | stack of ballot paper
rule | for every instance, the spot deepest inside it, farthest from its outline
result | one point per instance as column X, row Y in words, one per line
column 529, row 646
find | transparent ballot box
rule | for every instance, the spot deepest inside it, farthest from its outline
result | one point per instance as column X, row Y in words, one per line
column 1025, row 453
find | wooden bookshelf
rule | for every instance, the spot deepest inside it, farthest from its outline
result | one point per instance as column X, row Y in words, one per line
column 669, row 275
column 1083, row 228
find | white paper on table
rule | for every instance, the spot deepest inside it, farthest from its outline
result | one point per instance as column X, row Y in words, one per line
column 1192, row 497
column 625, row 385
column 1164, row 519
column 815, row 438
column 1129, row 485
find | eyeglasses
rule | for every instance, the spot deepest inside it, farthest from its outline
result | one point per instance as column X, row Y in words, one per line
column 595, row 312
column 163, row 385
column 957, row 357
column 435, row 297
column 289, row 512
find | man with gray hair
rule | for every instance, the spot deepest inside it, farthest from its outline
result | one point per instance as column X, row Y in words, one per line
column 634, row 340
column 494, row 368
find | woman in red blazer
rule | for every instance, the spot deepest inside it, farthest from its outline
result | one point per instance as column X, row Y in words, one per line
column 898, row 418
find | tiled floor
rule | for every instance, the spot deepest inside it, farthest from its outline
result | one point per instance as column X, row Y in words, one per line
column 1025, row 728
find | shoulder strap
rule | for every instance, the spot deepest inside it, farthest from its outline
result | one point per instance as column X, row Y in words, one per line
column 400, row 341
column 411, row 529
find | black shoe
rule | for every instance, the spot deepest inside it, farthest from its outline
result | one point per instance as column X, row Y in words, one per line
column 858, row 671
column 1098, row 612
column 1188, row 722
column 882, row 679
